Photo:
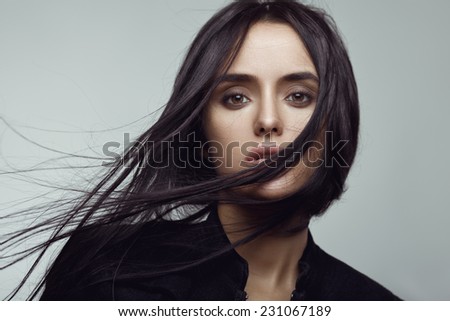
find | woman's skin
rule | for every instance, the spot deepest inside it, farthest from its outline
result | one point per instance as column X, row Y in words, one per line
column 271, row 104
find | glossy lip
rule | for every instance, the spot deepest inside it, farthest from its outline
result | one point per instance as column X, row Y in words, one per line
column 261, row 153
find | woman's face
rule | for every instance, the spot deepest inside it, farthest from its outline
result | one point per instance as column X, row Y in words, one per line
column 268, row 96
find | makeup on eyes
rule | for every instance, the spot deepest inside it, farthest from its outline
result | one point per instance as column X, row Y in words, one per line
column 293, row 97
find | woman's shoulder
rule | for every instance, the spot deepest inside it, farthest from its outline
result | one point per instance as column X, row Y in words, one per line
column 96, row 261
column 329, row 278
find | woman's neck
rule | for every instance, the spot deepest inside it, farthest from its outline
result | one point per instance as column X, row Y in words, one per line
column 272, row 258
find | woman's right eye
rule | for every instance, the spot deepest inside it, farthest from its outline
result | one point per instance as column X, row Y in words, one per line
column 235, row 100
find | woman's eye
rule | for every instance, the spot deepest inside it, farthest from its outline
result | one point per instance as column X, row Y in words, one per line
column 300, row 99
column 235, row 100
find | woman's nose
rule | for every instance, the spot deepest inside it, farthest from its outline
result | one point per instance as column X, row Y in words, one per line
column 268, row 120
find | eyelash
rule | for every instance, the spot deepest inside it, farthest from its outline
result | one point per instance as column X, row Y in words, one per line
column 309, row 97
column 226, row 98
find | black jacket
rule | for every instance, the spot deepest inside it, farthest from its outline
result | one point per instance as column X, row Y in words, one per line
column 321, row 277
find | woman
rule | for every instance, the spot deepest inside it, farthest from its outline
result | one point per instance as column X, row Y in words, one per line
column 213, row 201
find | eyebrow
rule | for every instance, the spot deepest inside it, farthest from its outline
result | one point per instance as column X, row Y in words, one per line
column 245, row 78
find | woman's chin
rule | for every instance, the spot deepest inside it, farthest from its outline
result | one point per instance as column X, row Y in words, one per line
column 274, row 190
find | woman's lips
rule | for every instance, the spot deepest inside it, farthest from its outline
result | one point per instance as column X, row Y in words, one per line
column 259, row 154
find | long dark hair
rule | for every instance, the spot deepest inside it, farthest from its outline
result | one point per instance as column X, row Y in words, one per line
column 140, row 187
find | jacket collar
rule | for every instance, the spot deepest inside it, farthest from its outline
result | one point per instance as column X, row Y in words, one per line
column 237, row 267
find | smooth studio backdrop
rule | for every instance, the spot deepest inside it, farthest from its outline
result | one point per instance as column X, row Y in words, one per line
column 73, row 72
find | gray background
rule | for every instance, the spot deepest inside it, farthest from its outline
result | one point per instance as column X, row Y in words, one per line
column 71, row 67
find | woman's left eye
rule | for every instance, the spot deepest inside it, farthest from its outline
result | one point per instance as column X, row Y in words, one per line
column 300, row 99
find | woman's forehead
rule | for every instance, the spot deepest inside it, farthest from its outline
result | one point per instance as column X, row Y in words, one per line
column 272, row 49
